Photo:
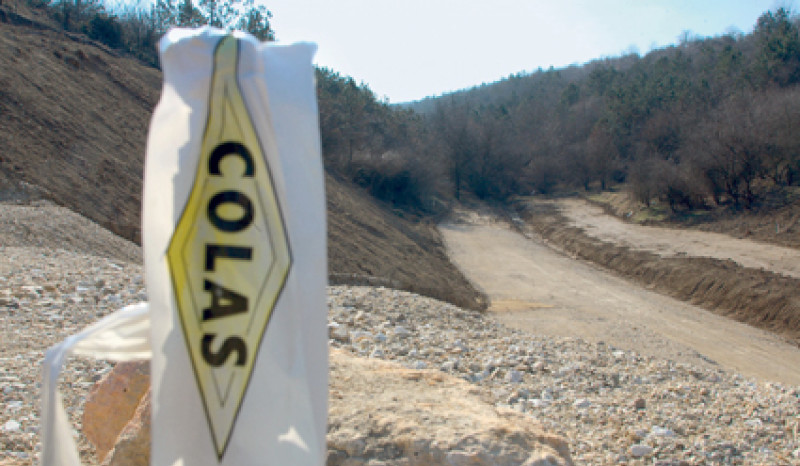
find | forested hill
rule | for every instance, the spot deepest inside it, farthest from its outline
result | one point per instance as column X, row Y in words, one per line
column 708, row 122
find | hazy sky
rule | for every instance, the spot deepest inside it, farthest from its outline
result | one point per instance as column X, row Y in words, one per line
column 409, row 49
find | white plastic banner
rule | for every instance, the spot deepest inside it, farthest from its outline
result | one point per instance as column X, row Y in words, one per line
column 234, row 232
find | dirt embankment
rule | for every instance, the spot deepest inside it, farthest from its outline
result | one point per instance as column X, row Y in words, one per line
column 75, row 115
column 369, row 246
column 773, row 219
column 762, row 298
column 680, row 242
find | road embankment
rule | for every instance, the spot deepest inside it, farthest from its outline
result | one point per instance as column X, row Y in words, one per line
column 759, row 297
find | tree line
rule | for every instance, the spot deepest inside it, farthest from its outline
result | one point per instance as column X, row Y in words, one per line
column 706, row 122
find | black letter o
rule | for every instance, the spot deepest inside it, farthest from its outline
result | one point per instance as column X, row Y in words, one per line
column 234, row 197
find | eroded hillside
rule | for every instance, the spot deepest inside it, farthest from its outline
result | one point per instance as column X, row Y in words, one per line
column 74, row 117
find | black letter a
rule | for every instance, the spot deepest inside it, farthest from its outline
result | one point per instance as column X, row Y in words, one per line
column 234, row 303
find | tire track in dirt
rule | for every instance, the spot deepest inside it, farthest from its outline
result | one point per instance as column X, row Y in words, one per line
column 535, row 288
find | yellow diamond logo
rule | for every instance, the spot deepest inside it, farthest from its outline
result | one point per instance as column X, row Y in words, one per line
column 229, row 256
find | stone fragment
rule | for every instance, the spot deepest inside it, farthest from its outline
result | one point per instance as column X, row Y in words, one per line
column 539, row 403
column 448, row 366
column 753, row 423
column 513, row 376
column 582, row 403
column 360, row 335
column 640, row 403
column 640, row 450
column 541, row 460
column 662, row 432
column 11, row 426
column 112, row 402
column 463, row 458
column 339, row 333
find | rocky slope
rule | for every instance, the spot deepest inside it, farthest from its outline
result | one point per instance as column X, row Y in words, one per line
column 613, row 406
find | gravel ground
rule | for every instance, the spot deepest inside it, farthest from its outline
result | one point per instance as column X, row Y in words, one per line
column 45, row 296
column 614, row 406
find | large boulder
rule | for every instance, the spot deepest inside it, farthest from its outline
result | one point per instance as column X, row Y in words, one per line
column 384, row 413
column 381, row 413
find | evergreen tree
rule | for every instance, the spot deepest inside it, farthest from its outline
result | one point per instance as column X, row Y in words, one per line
column 779, row 42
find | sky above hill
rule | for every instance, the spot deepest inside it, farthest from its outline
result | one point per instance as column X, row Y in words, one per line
column 409, row 49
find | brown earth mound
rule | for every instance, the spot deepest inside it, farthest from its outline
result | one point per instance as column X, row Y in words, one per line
column 773, row 219
column 759, row 298
column 75, row 114
column 369, row 246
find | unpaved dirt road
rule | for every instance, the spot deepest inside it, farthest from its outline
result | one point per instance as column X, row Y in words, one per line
column 535, row 288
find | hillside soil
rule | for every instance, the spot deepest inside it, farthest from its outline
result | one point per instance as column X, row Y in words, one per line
column 368, row 245
column 537, row 282
column 75, row 115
